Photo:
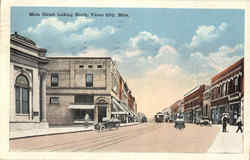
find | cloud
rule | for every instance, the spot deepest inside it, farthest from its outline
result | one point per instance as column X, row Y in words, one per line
column 207, row 34
column 95, row 33
column 54, row 22
column 219, row 60
column 68, row 37
column 145, row 36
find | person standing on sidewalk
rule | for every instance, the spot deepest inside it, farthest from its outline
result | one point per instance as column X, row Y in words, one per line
column 239, row 124
column 224, row 123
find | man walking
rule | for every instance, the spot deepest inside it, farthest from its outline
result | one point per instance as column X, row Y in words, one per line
column 239, row 124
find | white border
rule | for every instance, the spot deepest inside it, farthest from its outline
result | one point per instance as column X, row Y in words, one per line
column 5, row 91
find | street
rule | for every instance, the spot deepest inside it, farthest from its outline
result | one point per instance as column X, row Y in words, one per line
column 148, row 137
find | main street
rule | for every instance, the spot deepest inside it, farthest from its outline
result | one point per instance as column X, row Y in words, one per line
column 148, row 137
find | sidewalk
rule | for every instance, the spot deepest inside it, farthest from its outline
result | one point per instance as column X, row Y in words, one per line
column 55, row 130
column 228, row 142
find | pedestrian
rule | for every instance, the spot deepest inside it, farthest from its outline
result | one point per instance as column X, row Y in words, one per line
column 235, row 118
column 224, row 123
column 239, row 124
column 86, row 119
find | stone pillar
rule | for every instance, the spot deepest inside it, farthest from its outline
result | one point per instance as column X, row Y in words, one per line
column 43, row 95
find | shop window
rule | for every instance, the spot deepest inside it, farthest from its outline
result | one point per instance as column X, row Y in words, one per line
column 54, row 100
column 80, row 114
column 89, row 80
column 84, row 99
column 54, row 79
column 22, row 95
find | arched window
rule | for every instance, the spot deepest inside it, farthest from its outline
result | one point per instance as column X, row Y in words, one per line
column 22, row 95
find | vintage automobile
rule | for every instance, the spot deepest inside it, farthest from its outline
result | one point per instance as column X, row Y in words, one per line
column 108, row 124
column 204, row 121
column 159, row 117
column 179, row 122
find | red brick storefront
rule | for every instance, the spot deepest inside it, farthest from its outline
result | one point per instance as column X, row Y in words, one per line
column 227, row 90
column 193, row 104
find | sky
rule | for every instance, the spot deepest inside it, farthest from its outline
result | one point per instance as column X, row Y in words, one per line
column 162, row 53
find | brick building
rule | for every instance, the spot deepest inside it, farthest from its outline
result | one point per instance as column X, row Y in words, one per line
column 28, row 84
column 193, row 104
column 227, row 88
column 80, row 86
column 207, row 102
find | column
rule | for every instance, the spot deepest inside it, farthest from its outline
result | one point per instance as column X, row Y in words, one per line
column 43, row 96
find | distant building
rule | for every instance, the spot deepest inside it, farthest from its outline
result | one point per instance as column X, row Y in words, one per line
column 193, row 104
column 78, row 86
column 207, row 102
column 227, row 88
column 28, row 84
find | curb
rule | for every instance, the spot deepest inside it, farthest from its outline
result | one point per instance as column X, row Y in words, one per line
column 49, row 134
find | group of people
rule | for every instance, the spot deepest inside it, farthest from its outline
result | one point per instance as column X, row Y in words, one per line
column 225, row 120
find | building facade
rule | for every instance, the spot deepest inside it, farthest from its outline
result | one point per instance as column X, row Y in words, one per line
column 28, row 84
column 193, row 104
column 207, row 102
column 80, row 86
column 227, row 88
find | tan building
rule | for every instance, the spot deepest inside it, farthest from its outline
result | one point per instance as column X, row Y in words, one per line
column 80, row 87
column 28, row 89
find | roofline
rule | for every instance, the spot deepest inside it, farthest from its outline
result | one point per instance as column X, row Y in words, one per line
column 76, row 57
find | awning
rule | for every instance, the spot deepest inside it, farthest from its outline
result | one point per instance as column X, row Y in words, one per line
column 82, row 106
column 119, row 107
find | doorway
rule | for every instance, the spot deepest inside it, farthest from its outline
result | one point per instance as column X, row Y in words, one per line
column 102, row 112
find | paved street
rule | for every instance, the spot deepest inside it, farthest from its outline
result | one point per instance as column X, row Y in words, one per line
column 150, row 137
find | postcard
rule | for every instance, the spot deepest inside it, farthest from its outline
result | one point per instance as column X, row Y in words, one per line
column 142, row 81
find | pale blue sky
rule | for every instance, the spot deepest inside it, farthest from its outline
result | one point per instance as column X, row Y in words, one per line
column 156, row 48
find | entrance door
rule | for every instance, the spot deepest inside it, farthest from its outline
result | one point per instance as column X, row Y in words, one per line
column 102, row 112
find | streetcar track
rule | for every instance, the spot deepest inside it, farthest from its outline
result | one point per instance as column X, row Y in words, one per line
column 96, row 141
column 117, row 138
column 84, row 138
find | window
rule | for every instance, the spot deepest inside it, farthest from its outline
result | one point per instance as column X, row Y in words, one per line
column 81, row 66
column 22, row 95
column 99, row 66
column 89, row 80
column 90, row 66
column 54, row 100
column 54, row 79
column 84, row 99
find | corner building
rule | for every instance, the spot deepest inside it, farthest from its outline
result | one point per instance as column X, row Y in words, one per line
column 28, row 84
column 77, row 86
column 227, row 89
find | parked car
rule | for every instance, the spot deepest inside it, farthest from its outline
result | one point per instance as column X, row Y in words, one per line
column 108, row 124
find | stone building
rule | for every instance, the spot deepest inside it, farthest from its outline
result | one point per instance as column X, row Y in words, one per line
column 193, row 104
column 227, row 88
column 81, row 86
column 28, row 84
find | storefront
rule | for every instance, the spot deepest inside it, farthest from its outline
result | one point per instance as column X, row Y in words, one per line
column 118, row 111
column 82, row 113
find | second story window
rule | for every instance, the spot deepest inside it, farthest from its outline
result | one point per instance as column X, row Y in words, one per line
column 54, row 100
column 54, row 79
column 89, row 80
